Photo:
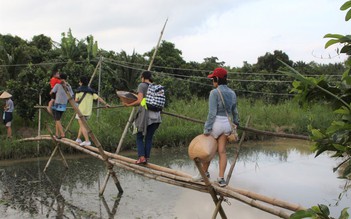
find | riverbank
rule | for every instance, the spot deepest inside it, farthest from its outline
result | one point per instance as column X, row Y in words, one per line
column 287, row 117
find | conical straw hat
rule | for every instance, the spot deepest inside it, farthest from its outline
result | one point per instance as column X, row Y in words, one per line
column 127, row 97
column 5, row 95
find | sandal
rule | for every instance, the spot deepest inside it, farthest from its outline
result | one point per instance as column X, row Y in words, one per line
column 141, row 160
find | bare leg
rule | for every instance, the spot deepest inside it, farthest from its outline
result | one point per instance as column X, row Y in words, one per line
column 79, row 131
column 9, row 132
column 83, row 130
column 59, row 129
column 222, row 142
column 51, row 102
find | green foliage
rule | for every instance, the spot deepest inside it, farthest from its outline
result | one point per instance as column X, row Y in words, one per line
column 270, row 63
column 30, row 82
column 318, row 212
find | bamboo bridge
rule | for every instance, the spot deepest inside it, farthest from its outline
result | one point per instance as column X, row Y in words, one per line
column 271, row 205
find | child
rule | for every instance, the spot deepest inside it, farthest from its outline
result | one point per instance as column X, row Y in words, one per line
column 8, row 109
column 55, row 79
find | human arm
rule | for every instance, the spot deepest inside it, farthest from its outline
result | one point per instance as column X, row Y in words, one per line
column 235, row 112
column 54, row 89
column 142, row 88
column 212, row 112
column 137, row 101
column 103, row 102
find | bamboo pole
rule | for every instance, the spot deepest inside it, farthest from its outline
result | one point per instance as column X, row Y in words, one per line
column 236, row 193
column 55, row 150
column 103, row 187
column 99, row 90
column 100, row 107
column 157, row 46
column 111, row 213
column 129, row 122
column 39, row 122
column 249, row 129
column 93, row 138
column 95, row 70
column 282, row 135
column 210, row 189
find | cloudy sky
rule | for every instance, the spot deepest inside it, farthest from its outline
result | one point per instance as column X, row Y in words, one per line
column 234, row 31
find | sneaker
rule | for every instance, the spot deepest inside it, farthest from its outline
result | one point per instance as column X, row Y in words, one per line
column 221, row 182
column 85, row 143
column 78, row 140
column 199, row 178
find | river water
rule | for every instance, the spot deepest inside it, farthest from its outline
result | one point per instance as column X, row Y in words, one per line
column 282, row 168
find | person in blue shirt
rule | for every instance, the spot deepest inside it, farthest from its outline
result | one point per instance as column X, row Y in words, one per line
column 217, row 123
column 8, row 110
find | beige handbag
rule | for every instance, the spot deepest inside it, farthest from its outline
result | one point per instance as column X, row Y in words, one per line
column 233, row 137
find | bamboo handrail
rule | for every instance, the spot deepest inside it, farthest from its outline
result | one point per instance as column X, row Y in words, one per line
column 249, row 129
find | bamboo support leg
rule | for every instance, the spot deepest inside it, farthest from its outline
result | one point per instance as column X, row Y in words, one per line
column 236, row 155
column 70, row 122
column 103, row 187
column 63, row 157
column 211, row 190
column 57, row 147
column 52, row 155
column 115, row 179
column 125, row 130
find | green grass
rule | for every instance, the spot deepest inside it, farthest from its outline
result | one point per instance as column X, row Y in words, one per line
column 286, row 117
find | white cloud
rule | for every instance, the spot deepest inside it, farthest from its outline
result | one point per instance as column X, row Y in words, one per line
column 232, row 30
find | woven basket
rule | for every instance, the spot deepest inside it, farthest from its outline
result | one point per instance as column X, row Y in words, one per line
column 127, row 97
column 203, row 147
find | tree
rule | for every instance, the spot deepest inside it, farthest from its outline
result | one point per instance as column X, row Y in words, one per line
column 270, row 62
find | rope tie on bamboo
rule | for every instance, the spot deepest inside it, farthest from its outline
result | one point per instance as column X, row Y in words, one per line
column 226, row 200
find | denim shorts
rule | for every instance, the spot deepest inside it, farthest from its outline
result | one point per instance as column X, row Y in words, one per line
column 221, row 126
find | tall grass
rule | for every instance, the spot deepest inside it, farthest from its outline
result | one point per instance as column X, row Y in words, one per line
column 286, row 117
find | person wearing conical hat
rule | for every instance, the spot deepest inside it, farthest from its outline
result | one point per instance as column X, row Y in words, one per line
column 8, row 110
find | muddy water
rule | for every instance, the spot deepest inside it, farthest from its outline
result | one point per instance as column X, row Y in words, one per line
column 283, row 169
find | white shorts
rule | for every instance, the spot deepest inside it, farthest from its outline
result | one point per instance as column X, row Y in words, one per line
column 8, row 124
column 221, row 126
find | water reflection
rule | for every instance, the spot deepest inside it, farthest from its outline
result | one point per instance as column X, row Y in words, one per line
column 285, row 169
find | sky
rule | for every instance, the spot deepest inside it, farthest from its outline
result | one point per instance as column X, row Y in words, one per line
column 234, row 31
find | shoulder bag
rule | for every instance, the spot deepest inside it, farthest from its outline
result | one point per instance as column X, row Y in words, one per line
column 233, row 137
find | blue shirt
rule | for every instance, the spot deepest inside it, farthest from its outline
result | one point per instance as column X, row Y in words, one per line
column 216, row 107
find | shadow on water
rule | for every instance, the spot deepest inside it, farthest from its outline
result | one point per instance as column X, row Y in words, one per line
column 284, row 169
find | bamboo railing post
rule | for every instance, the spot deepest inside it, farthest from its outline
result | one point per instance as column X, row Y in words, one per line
column 130, row 120
column 210, row 189
column 236, row 155
column 103, row 187
column 92, row 136
column 39, row 122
